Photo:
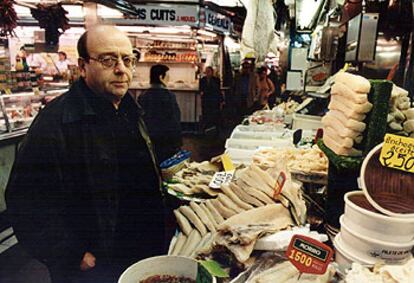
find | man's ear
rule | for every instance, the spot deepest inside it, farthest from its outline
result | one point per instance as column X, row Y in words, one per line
column 81, row 65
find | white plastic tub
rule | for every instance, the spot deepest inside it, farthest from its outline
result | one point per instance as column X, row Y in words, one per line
column 250, row 144
column 368, row 249
column 343, row 258
column 306, row 122
column 375, row 225
column 240, row 155
column 160, row 265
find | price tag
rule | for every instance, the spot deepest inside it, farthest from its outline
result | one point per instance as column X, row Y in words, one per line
column 227, row 163
column 280, row 182
column 398, row 153
column 309, row 255
column 221, row 178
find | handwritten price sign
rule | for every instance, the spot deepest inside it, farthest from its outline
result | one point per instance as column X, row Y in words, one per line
column 398, row 153
column 221, row 178
column 309, row 255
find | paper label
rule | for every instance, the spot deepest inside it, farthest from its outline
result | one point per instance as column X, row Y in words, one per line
column 227, row 163
column 398, row 153
column 221, row 178
column 309, row 255
column 280, row 182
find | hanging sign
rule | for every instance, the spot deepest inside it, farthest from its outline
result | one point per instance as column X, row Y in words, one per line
column 217, row 22
column 398, row 153
column 164, row 15
column 309, row 255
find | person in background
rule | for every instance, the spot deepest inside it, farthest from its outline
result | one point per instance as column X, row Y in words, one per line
column 34, row 60
column 63, row 62
column 244, row 88
column 264, row 86
column 137, row 54
column 84, row 194
column 162, row 114
column 211, row 100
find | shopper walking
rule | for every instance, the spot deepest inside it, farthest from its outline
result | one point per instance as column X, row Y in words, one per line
column 265, row 87
column 211, row 100
column 162, row 114
column 84, row 194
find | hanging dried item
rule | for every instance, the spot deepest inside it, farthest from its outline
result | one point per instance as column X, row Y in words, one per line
column 8, row 18
column 53, row 19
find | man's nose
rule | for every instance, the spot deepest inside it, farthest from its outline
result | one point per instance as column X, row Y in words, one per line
column 120, row 67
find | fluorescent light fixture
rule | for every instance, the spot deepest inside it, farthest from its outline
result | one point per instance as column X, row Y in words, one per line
column 106, row 12
column 206, row 33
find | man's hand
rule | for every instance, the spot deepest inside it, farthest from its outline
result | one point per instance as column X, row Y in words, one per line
column 88, row 261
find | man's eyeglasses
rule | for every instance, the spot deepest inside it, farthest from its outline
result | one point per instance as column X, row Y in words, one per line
column 112, row 61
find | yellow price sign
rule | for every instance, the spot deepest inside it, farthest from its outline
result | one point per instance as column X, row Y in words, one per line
column 227, row 163
column 398, row 153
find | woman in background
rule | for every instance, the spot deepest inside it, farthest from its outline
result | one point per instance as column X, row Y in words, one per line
column 162, row 114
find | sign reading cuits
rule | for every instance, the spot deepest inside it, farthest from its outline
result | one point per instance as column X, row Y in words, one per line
column 217, row 22
column 167, row 15
column 309, row 255
column 398, row 152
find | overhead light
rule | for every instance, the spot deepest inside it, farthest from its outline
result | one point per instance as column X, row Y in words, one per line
column 206, row 33
column 106, row 12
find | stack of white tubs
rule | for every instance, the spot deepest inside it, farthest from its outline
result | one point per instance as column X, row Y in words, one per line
column 368, row 237
column 246, row 140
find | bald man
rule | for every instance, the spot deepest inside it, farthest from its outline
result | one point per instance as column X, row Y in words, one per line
column 84, row 194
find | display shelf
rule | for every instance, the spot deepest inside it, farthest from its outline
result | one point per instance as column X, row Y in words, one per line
column 167, row 48
column 167, row 62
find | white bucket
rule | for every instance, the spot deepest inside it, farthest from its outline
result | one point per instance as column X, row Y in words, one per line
column 343, row 258
column 375, row 225
column 369, row 249
column 160, row 265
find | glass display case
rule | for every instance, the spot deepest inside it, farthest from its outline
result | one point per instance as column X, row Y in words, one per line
column 17, row 111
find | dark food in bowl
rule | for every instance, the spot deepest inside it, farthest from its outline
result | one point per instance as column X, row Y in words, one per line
column 361, row 201
column 391, row 189
column 167, row 279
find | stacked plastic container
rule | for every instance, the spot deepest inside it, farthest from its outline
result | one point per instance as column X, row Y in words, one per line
column 368, row 233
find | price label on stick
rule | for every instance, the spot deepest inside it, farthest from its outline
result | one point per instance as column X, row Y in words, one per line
column 309, row 255
column 398, row 152
column 221, row 178
column 280, row 182
column 227, row 163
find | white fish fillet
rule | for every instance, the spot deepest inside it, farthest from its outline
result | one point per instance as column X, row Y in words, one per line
column 245, row 196
column 181, row 239
column 223, row 210
column 182, row 222
column 227, row 202
column 348, row 93
column 343, row 142
column 209, row 215
column 331, row 121
column 193, row 218
column 192, row 241
column 335, row 147
column 348, row 112
column 216, row 214
column 203, row 216
column 352, row 124
column 355, row 82
column 227, row 191
column 358, row 108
